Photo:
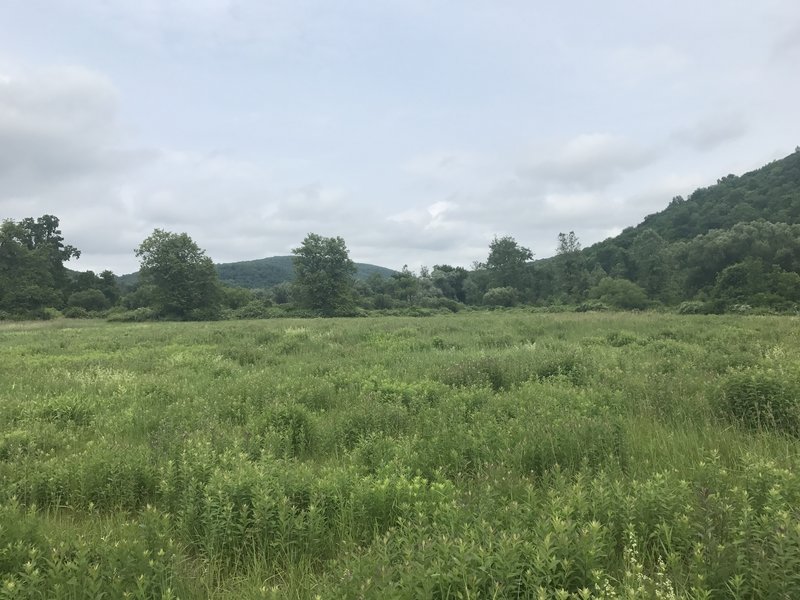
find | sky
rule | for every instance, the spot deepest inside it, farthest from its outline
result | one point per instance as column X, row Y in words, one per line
column 416, row 130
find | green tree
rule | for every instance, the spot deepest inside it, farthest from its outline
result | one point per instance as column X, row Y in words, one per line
column 508, row 264
column 32, row 272
column 324, row 275
column 184, row 280
column 91, row 299
column 106, row 283
column 405, row 286
column 450, row 280
column 652, row 264
column 572, row 266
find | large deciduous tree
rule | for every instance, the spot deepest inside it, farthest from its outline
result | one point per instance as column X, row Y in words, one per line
column 32, row 272
column 184, row 280
column 508, row 264
column 324, row 275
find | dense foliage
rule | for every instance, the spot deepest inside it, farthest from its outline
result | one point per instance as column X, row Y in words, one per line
column 32, row 273
column 181, row 278
column 488, row 455
column 324, row 275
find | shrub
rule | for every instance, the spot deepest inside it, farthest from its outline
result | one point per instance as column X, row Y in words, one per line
column 692, row 307
column 620, row 293
column 76, row 312
column 256, row 309
column 762, row 399
column 591, row 306
column 137, row 315
column 88, row 300
column 50, row 313
column 446, row 303
column 502, row 296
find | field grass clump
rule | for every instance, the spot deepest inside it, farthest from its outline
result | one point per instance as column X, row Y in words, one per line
column 763, row 398
column 504, row 454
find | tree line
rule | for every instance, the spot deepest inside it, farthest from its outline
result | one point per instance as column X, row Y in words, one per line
column 753, row 264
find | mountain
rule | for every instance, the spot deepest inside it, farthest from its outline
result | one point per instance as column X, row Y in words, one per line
column 266, row 272
column 733, row 243
column 771, row 192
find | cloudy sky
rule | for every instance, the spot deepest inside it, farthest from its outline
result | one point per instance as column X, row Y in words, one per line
column 417, row 130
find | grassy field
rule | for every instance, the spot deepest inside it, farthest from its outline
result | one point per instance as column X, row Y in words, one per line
column 480, row 455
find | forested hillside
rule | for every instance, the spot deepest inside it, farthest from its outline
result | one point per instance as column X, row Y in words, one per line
column 737, row 241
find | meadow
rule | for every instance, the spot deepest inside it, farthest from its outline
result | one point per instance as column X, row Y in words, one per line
column 473, row 455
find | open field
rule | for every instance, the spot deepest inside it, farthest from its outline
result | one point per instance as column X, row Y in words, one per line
column 480, row 455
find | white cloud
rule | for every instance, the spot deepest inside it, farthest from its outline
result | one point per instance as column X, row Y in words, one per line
column 593, row 160
column 58, row 125
column 713, row 131
column 404, row 127
column 635, row 64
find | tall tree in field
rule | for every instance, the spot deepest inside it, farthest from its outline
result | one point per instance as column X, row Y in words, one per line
column 508, row 264
column 32, row 272
column 572, row 266
column 324, row 275
column 184, row 279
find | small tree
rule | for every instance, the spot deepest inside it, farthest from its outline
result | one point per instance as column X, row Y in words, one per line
column 619, row 293
column 501, row 296
column 323, row 275
column 571, row 266
column 184, row 280
column 88, row 300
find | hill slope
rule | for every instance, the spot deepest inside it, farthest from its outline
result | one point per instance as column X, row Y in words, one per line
column 266, row 272
column 735, row 241
column 771, row 193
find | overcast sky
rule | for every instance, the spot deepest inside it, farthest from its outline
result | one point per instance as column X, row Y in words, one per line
column 416, row 130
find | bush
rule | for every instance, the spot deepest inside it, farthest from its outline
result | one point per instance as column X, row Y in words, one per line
column 620, row 293
column 762, row 399
column 76, row 312
column 446, row 303
column 692, row 307
column 88, row 300
column 255, row 309
column 502, row 296
column 137, row 315
column 591, row 306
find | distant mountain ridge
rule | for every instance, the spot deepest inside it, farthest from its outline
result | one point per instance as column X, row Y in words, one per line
column 266, row 272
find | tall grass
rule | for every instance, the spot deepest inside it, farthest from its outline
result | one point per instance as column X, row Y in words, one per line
column 497, row 455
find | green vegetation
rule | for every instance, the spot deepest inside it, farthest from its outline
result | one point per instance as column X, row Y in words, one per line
column 503, row 454
column 32, row 273
column 182, row 280
column 729, row 248
column 324, row 275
